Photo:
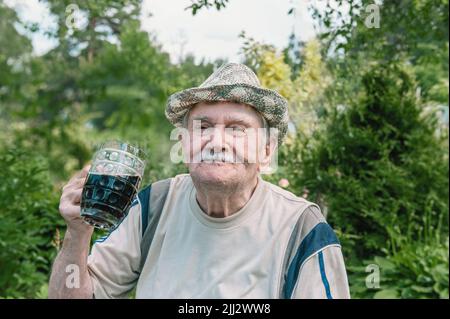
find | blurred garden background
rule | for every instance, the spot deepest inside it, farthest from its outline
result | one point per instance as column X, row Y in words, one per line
column 368, row 137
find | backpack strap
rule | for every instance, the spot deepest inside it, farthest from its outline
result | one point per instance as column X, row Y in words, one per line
column 152, row 198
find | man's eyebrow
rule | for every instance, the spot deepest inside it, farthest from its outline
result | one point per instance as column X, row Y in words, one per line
column 237, row 121
column 200, row 118
column 228, row 119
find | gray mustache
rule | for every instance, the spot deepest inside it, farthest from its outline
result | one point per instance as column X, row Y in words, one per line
column 217, row 157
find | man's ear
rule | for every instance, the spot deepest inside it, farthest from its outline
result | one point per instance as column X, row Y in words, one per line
column 268, row 155
column 181, row 134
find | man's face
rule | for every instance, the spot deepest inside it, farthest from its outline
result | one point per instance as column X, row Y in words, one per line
column 226, row 144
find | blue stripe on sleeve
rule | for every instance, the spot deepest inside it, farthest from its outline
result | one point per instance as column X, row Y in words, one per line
column 144, row 198
column 324, row 276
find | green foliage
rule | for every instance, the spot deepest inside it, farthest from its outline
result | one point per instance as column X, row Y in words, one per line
column 29, row 221
column 217, row 4
column 374, row 161
column 414, row 31
column 254, row 51
column 418, row 270
column 293, row 54
column 199, row 4
column 11, row 43
column 309, row 88
column 104, row 22
column 404, row 25
column 126, row 87
column 13, row 51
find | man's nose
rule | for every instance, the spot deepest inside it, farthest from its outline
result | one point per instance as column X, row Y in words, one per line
column 217, row 139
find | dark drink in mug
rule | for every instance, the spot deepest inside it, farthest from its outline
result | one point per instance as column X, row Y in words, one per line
column 111, row 185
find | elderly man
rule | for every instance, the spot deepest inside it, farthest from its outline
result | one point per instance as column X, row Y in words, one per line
column 219, row 231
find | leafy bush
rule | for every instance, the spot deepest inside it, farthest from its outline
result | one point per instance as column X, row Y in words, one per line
column 29, row 223
column 417, row 271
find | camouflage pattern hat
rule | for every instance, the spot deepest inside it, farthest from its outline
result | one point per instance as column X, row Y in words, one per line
column 236, row 83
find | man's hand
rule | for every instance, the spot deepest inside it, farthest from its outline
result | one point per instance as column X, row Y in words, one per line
column 75, row 247
column 69, row 205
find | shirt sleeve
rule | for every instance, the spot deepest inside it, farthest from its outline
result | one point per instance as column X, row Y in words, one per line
column 314, row 264
column 323, row 276
column 114, row 261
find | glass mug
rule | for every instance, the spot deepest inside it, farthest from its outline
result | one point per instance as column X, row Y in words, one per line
column 112, row 184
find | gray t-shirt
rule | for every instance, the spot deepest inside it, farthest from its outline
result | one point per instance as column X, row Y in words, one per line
column 277, row 246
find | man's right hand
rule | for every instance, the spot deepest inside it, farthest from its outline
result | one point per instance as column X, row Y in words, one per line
column 69, row 205
column 75, row 248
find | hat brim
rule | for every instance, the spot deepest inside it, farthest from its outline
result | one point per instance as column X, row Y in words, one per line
column 269, row 103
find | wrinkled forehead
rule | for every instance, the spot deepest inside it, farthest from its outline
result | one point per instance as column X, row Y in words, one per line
column 226, row 112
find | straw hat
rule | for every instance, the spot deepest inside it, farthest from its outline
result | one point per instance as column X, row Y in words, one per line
column 236, row 83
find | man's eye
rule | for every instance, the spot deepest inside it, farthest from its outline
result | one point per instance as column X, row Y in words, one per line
column 238, row 130
column 206, row 130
